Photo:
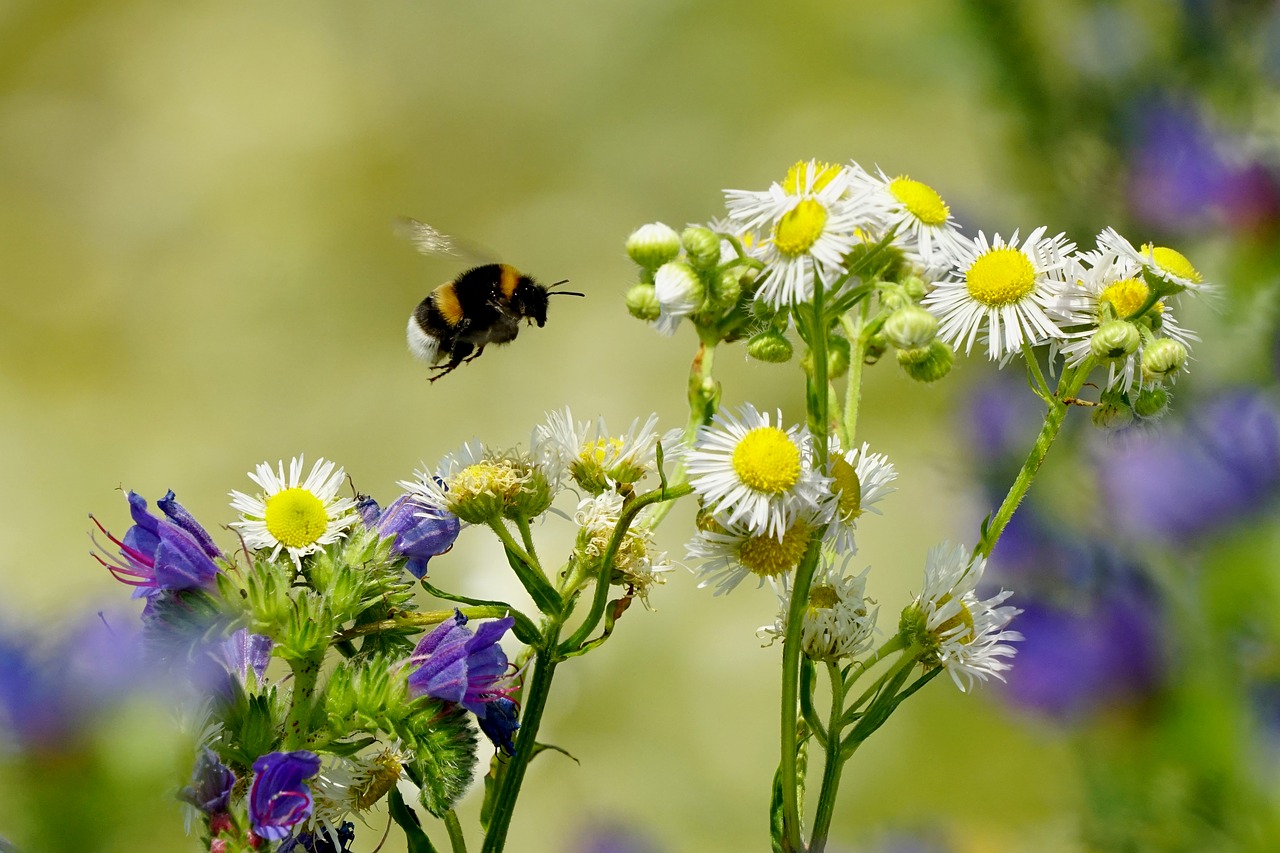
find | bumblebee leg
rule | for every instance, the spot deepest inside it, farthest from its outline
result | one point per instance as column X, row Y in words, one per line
column 473, row 356
column 457, row 357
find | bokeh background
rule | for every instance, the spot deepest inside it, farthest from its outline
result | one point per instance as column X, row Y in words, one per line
column 199, row 274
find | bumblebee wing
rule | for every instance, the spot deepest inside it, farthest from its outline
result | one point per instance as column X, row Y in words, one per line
column 433, row 242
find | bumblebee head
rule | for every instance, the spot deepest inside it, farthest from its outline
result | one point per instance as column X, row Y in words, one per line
column 530, row 299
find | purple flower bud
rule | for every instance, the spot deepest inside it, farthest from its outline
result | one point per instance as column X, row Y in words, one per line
column 243, row 652
column 420, row 533
column 211, row 784
column 279, row 799
column 158, row 554
column 178, row 514
column 455, row 665
column 500, row 722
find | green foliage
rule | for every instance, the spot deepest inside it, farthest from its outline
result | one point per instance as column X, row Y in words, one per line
column 443, row 742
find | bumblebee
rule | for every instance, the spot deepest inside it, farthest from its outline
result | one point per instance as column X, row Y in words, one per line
column 483, row 306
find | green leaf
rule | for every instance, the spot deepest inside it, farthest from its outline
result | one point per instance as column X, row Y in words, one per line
column 543, row 594
column 775, row 813
column 524, row 629
column 492, row 781
column 407, row 819
column 543, row 747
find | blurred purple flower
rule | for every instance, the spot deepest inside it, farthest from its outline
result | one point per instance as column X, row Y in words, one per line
column 279, row 799
column 613, row 838
column 420, row 534
column 161, row 553
column 211, row 784
column 1004, row 418
column 1181, row 484
column 244, row 652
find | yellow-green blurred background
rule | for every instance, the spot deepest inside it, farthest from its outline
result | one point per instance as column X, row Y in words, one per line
column 199, row 274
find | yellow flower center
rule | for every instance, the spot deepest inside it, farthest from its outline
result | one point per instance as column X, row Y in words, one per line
column 498, row 478
column 1126, row 296
column 823, row 597
column 767, row 557
column 963, row 618
column 794, row 182
column 799, row 228
column 1000, row 277
column 767, row 460
column 295, row 517
column 1173, row 262
column 921, row 200
column 847, row 487
column 596, row 451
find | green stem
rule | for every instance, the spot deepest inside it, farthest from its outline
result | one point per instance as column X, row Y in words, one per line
column 457, row 840
column 906, row 660
column 526, row 535
column 306, row 672
column 704, row 399
column 514, row 547
column 831, row 771
column 535, row 702
column 818, row 398
column 1068, row 386
column 853, row 388
column 897, row 643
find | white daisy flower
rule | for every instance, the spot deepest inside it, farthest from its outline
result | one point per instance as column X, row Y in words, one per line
column 1168, row 264
column 755, row 474
column 479, row 485
column 733, row 553
column 592, row 455
column 921, row 221
column 350, row 786
column 292, row 514
column 859, row 480
column 1007, row 288
column 838, row 620
column 1110, row 287
column 959, row 631
column 637, row 564
column 811, row 226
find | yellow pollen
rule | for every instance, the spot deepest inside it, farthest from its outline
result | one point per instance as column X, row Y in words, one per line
column 767, row 557
column 799, row 228
column 597, row 451
column 824, row 172
column 1126, row 296
column 1173, row 262
column 1000, row 277
column 848, row 487
column 767, row 460
column 295, row 517
column 384, row 774
column 498, row 478
column 823, row 597
column 921, row 200
column 963, row 618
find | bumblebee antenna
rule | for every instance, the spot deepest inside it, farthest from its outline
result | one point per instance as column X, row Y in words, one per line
column 562, row 292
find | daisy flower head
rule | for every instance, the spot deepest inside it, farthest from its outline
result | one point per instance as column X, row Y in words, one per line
column 1169, row 265
column 350, row 786
column 755, row 474
column 859, row 480
column 920, row 220
column 732, row 553
column 637, row 564
column 1009, row 289
column 293, row 514
column 680, row 292
column 838, row 620
column 809, row 230
column 480, row 485
column 1109, row 292
column 958, row 630
column 594, row 457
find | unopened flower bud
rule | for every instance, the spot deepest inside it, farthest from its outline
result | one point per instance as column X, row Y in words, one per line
column 927, row 364
column 702, row 246
column 642, row 302
column 653, row 245
column 680, row 293
column 1112, row 412
column 1162, row 358
column 1114, row 339
column 726, row 288
column 914, row 286
column 1151, row 402
column 771, row 346
column 910, row 327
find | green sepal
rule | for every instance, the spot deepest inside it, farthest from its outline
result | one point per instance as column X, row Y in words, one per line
column 444, row 745
column 407, row 819
column 524, row 628
column 251, row 728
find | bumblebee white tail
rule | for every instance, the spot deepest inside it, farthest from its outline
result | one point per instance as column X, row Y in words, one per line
column 422, row 345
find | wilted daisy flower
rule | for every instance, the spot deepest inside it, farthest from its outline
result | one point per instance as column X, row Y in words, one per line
column 733, row 553
column 956, row 629
column 1109, row 291
column 480, row 485
column 753, row 474
column 1005, row 287
column 859, row 480
column 810, row 229
column 838, row 623
column 350, row 786
column 296, row 515
column 592, row 455
column 679, row 292
column 921, row 221
column 637, row 563
column 1168, row 264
